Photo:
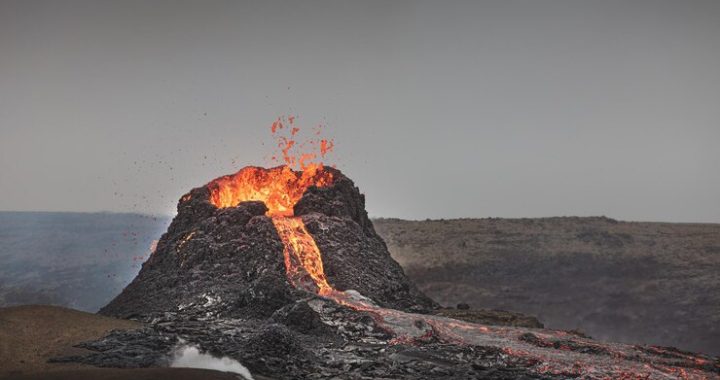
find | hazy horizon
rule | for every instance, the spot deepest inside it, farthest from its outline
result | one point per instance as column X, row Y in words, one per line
column 481, row 109
column 169, row 217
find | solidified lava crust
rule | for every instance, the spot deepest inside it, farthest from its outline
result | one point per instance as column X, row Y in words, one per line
column 297, row 285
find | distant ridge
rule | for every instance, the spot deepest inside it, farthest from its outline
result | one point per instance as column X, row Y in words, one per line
column 651, row 282
column 633, row 270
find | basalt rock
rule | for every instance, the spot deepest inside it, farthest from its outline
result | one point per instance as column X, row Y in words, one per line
column 491, row 317
column 231, row 259
column 217, row 281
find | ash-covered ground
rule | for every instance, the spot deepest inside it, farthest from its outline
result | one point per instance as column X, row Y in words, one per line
column 224, row 279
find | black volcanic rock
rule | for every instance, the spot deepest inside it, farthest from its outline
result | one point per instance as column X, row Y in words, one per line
column 342, row 200
column 217, row 281
column 230, row 260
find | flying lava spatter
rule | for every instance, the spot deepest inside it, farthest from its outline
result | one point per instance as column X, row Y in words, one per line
column 280, row 188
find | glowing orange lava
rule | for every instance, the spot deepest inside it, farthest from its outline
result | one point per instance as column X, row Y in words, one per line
column 279, row 188
column 286, row 135
column 303, row 263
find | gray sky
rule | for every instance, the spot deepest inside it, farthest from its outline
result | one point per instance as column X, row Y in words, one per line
column 438, row 109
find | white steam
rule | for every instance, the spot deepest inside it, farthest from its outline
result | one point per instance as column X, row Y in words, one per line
column 187, row 356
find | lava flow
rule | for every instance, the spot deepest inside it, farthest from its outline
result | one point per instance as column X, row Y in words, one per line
column 545, row 351
column 280, row 188
column 302, row 256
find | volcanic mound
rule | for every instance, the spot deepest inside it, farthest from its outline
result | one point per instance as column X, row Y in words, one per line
column 282, row 270
column 228, row 247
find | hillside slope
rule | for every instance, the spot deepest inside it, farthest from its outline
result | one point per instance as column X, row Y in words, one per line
column 656, row 283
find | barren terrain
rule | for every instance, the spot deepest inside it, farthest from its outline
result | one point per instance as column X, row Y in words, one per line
column 655, row 283
column 31, row 335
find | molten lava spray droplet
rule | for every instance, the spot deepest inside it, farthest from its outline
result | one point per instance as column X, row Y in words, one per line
column 280, row 188
column 296, row 153
column 326, row 146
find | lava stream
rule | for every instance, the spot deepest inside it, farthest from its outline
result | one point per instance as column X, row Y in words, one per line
column 546, row 351
column 304, row 268
column 303, row 263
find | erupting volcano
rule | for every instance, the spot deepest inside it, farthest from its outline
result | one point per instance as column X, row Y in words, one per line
column 282, row 269
column 287, row 208
column 280, row 189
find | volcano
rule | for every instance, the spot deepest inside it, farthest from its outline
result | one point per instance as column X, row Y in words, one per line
column 252, row 241
column 282, row 270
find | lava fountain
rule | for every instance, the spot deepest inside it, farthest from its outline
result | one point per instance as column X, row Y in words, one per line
column 280, row 188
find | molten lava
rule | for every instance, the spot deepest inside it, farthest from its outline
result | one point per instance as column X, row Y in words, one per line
column 549, row 352
column 279, row 188
column 303, row 263
column 295, row 153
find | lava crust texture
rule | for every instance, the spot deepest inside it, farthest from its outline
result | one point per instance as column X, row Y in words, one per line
column 234, row 256
column 297, row 285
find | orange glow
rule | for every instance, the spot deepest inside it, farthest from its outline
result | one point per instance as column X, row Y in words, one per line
column 303, row 263
column 279, row 188
column 326, row 146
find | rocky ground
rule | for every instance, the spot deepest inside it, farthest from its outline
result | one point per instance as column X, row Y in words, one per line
column 658, row 286
column 489, row 317
column 317, row 295
column 227, row 281
column 316, row 338
column 129, row 374
column 30, row 335
column 654, row 283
